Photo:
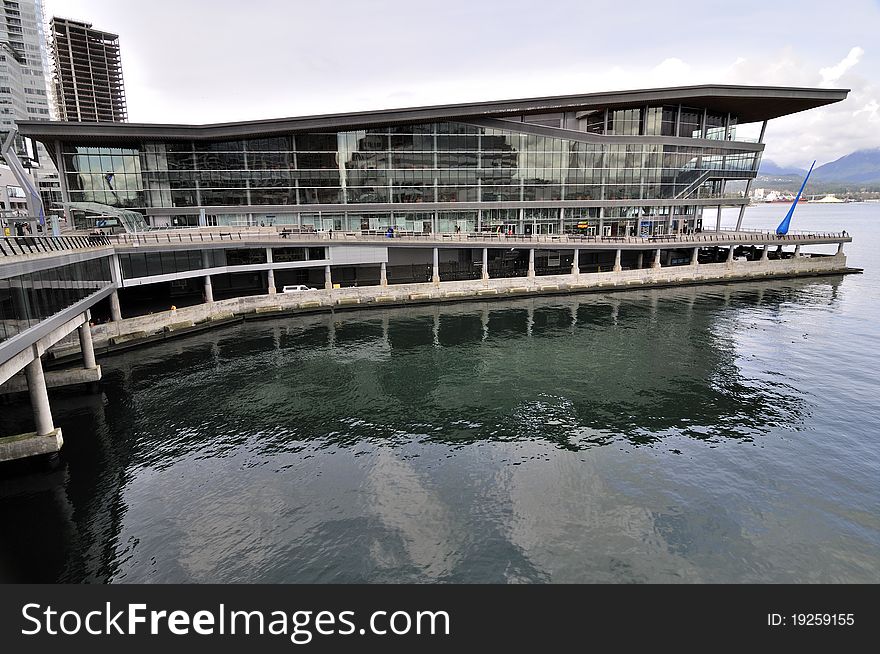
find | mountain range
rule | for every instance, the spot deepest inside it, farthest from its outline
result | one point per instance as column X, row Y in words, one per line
column 861, row 167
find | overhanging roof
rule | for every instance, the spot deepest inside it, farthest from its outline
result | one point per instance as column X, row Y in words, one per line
column 748, row 103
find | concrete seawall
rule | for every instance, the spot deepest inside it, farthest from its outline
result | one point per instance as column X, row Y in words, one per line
column 131, row 332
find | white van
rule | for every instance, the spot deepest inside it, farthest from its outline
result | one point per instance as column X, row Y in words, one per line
column 296, row 288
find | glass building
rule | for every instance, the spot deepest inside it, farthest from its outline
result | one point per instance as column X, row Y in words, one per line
column 611, row 164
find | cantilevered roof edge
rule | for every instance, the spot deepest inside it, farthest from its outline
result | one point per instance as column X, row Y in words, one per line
column 749, row 103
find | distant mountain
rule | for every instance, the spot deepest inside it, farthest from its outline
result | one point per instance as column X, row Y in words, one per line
column 770, row 169
column 859, row 167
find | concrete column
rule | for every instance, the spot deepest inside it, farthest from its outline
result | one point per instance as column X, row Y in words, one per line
column 797, row 249
column 695, row 257
column 435, row 277
column 271, row 284
column 617, row 267
column 115, row 310
column 328, row 278
column 383, row 275
column 641, row 261
column 209, row 290
column 576, row 263
column 531, row 262
column 485, row 264
column 730, row 253
column 39, row 397
column 840, row 248
column 656, row 262
column 764, row 252
column 718, row 220
column 86, row 346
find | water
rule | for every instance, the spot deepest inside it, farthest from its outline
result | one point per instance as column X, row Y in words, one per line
column 703, row 434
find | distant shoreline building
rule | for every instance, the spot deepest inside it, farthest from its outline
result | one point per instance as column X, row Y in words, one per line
column 87, row 73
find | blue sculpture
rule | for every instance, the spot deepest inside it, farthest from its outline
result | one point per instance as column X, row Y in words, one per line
column 782, row 230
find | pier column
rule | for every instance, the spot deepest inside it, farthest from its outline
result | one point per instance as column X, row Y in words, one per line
column 383, row 274
column 730, row 253
column 531, row 272
column 656, row 262
column 840, row 248
column 764, row 252
column 209, row 290
column 115, row 310
column 485, row 264
column 797, row 250
column 36, row 382
column 695, row 257
column 641, row 260
column 576, row 263
column 617, row 267
column 86, row 345
column 271, row 284
column 435, row 276
column 328, row 278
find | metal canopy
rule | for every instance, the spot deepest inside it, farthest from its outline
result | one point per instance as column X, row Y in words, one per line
column 133, row 221
column 748, row 103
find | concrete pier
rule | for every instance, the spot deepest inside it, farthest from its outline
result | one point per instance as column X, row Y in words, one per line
column 209, row 290
column 656, row 262
column 485, row 274
column 575, row 263
column 86, row 346
column 531, row 272
column 115, row 309
column 328, row 278
column 383, row 274
column 46, row 439
column 617, row 267
column 695, row 257
column 435, row 276
column 271, row 282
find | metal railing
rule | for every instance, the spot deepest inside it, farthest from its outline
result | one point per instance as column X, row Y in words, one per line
column 16, row 246
column 279, row 238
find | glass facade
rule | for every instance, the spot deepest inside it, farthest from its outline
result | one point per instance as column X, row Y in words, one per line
column 25, row 300
column 437, row 163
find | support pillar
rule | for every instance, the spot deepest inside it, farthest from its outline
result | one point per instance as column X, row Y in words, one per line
column 39, row 397
column 730, row 253
column 328, row 278
column 797, row 250
column 86, row 346
column 435, row 276
column 617, row 267
column 531, row 272
column 839, row 248
column 718, row 220
column 271, row 282
column 383, row 274
column 209, row 290
column 764, row 252
column 695, row 257
column 641, row 260
column 115, row 310
column 576, row 263
column 485, row 264
column 656, row 262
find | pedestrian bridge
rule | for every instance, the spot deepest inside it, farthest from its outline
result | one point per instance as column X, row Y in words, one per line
column 47, row 286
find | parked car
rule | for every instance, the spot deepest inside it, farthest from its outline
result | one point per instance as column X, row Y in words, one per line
column 296, row 288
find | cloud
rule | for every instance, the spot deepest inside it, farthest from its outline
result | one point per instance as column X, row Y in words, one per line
column 832, row 74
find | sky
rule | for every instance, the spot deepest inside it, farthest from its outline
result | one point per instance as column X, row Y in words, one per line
column 204, row 61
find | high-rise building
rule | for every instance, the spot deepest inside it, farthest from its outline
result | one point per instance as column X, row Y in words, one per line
column 22, row 63
column 87, row 73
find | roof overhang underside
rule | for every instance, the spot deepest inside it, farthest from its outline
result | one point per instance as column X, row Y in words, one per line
column 748, row 103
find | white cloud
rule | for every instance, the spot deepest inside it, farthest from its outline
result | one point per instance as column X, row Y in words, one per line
column 832, row 74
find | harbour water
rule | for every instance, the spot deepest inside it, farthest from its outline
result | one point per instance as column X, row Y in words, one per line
column 723, row 433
